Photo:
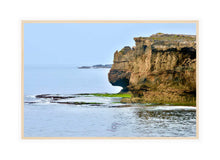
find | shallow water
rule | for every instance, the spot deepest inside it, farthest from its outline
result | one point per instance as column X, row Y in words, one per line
column 44, row 117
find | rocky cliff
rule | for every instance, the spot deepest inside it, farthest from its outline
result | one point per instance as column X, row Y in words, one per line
column 159, row 69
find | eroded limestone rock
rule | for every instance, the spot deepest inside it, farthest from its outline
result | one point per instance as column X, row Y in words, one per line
column 159, row 69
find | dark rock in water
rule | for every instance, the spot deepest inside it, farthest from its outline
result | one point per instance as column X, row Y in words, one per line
column 54, row 97
column 30, row 102
column 83, row 94
column 120, row 106
column 79, row 103
column 96, row 104
column 159, row 69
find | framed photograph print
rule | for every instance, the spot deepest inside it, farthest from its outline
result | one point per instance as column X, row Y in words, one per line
column 109, row 79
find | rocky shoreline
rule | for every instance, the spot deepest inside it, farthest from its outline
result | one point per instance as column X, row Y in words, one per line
column 159, row 69
column 95, row 99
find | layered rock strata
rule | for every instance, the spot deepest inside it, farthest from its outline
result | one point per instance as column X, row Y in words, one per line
column 158, row 69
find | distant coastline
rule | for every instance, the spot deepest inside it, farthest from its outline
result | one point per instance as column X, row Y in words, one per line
column 96, row 66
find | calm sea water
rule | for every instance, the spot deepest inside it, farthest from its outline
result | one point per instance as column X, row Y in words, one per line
column 44, row 118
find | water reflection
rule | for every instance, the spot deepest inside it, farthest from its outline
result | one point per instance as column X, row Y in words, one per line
column 114, row 127
column 165, row 123
column 102, row 121
column 166, row 114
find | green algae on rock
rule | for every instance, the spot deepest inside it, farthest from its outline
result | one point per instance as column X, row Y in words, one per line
column 122, row 95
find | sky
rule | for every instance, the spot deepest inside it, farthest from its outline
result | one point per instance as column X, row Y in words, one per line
column 77, row 44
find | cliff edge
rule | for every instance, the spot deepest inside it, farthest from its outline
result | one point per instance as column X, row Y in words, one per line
column 158, row 69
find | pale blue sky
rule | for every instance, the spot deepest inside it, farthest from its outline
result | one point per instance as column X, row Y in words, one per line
column 76, row 44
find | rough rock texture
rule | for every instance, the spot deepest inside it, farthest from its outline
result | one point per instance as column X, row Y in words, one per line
column 159, row 69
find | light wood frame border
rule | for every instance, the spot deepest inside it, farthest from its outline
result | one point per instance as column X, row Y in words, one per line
column 109, row 21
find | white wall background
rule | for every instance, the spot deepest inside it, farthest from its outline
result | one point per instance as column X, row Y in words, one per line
column 11, row 14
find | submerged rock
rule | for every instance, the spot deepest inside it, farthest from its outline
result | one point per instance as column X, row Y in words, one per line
column 159, row 69
column 30, row 102
column 55, row 97
column 80, row 103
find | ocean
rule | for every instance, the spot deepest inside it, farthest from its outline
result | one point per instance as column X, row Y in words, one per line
column 95, row 116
